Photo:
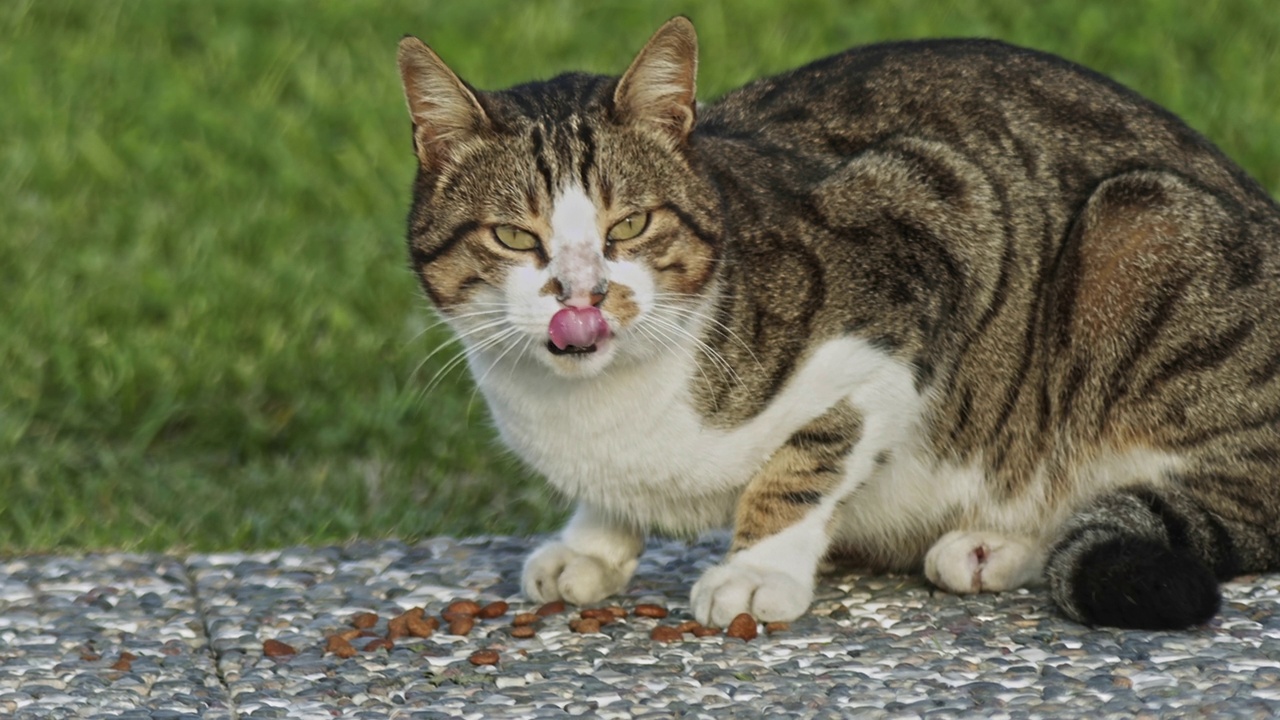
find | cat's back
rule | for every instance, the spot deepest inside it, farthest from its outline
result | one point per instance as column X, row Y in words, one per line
column 1053, row 118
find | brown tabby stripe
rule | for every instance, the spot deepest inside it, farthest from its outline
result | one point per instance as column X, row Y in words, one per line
column 426, row 257
column 588, row 161
column 1200, row 355
column 540, row 160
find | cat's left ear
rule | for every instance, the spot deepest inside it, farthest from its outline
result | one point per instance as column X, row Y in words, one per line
column 445, row 112
column 659, row 87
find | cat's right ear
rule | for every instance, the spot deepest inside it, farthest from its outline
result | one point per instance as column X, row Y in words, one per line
column 659, row 87
column 445, row 112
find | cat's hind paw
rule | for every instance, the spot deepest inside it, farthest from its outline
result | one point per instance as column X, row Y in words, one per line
column 726, row 590
column 556, row 571
column 966, row 562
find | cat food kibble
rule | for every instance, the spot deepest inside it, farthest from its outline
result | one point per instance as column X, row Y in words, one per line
column 524, row 619
column 688, row 626
column 275, row 648
column 600, row 614
column 555, row 607
column 125, row 662
column 484, row 657
column 776, row 627
column 742, row 627
column 650, row 610
column 705, row 631
column 379, row 644
column 397, row 627
column 523, row 631
column 461, row 625
column 420, row 627
column 364, row 620
column 492, row 610
column 584, row 625
column 463, row 607
column 339, row 646
column 617, row 611
column 666, row 634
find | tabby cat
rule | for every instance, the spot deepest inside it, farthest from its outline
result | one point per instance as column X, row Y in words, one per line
column 950, row 306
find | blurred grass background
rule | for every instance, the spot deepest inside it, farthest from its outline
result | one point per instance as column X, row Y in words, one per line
column 209, row 337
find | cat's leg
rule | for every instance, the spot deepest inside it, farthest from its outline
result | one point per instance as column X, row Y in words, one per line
column 784, row 517
column 969, row 561
column 594, row 558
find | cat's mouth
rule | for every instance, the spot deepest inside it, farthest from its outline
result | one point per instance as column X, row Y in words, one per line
column 571, row 349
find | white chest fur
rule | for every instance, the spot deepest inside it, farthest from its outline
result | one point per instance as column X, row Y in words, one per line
column 630, row 441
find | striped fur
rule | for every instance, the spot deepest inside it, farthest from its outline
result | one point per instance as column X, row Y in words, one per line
column 942, row 305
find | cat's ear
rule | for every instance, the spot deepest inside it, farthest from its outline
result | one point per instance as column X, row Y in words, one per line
column 445, row 112
column 659, row 87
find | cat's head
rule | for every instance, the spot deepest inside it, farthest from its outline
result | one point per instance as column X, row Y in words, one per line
column 561, row 222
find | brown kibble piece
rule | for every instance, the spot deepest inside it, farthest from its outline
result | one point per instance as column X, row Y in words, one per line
column 523, row 631
column 420, row 628
column 618, row 611
column 705, row 631
column 493, row 610
column 601, row 614
column 349, row 635
column 666, row 634
column 364, row 620
column 688, row 626
column 585, row 625
column 555, row 607
column 125, row 662
column 345, row 650
column 275, row 648
column 379, row 644
column 397, row 627
column 461, row 626
column 414, row 612
column 462, row 607
column 743, row 627
column 650, row 610
column 484, row 657
column 524, row 619
column 776, row 627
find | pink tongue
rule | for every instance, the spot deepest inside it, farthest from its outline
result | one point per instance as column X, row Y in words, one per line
column 579, row 327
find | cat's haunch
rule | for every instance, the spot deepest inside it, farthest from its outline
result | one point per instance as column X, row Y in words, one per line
column 948, row 306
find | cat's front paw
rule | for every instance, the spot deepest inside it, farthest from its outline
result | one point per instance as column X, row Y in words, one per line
column 556, row 571
column 726, row 590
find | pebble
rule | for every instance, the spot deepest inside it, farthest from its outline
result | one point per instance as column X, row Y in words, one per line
column 875, row 645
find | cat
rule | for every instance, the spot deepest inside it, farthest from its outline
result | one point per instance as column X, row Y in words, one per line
column 949, row 306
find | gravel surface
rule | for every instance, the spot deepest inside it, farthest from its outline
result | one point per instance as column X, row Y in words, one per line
column 872, row 646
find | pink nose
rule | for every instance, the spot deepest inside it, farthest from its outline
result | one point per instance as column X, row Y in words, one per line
column 578, row 327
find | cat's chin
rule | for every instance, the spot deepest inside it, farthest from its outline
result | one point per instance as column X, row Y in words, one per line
column 579, row 362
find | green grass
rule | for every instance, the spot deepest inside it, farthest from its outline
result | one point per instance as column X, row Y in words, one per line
column 209, row 336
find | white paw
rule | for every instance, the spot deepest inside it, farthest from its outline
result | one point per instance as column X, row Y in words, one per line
column 726, row 590
column 970, row 562
column 557, row 572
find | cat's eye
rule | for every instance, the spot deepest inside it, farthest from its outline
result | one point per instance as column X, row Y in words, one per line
column 631, row 226
column 515, row 238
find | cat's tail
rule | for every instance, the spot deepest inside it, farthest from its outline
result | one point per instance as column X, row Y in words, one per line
column 1149, row 558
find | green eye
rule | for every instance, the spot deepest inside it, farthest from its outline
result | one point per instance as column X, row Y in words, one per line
column 631, row 226
column 515, row 238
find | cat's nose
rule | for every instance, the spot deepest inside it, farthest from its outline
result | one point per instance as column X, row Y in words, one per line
column 581, row 299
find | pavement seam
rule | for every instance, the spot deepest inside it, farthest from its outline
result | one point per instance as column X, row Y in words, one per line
column 194, row 588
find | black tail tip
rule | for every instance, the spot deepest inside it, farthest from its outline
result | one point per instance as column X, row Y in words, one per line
column 1143, row 584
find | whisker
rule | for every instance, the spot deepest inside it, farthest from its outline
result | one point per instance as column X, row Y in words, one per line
column 711, row 352
column 456, row 339
column 690, row 312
